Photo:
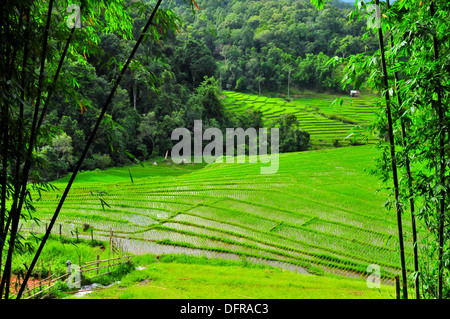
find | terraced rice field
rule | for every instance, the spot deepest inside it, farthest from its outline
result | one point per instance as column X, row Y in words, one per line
column 318, row 213
column 316, row 114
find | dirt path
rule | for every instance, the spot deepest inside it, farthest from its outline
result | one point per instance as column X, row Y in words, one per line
column 15, row 284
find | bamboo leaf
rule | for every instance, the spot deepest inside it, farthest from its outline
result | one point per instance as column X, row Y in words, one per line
column 131, row 176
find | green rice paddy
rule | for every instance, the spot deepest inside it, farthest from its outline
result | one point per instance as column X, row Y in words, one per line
column 327, row 122
column 318, row 214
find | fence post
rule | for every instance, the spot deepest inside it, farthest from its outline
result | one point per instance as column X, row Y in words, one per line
column 110, row 241
column 60, row 231
column 92, row 235
column 98, row 258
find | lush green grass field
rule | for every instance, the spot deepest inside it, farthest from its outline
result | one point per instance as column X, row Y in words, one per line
column 198, row 278
column 318, row 214
column 129, row 173
column 189, row 277
column 327, row 122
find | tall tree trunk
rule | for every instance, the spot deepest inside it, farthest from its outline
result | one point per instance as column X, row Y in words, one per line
column 393, row 160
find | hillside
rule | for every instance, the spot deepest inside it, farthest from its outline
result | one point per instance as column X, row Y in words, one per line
column 328, row 122
column 269, row 45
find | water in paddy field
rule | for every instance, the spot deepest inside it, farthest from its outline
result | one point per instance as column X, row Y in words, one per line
column 137, row 247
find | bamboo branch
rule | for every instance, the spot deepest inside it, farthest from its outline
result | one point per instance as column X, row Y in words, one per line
column 5, row 283
column 55, row 78
column 3, row 229
column 39, row 123
column 21, row 188
column 4, row 136
column 88, row 144
column 441, row 212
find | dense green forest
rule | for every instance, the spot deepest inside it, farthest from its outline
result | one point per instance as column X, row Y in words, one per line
column 261, row 45
column 247, row 46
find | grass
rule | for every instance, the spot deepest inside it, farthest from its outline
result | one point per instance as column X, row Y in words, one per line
column 122, row 174
column 177, row 277
column 57, row 251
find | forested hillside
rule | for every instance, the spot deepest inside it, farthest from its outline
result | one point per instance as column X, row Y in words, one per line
column 258, row 46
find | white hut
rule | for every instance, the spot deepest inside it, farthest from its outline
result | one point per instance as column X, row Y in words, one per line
column 354, row 93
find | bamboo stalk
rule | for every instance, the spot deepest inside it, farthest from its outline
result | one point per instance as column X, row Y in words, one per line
column 442, row 165
column 408, row 175
column 4, row 131
column 3, row 182
column 15, row 213
column 411, row 198
column 4, row 186
column 397, row 287
column 393, row 160
column 21, row 186
column 17, row 186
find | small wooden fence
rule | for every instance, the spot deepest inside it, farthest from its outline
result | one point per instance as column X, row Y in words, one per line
column 70, row 232
column 95, row 266
column 43, row 288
